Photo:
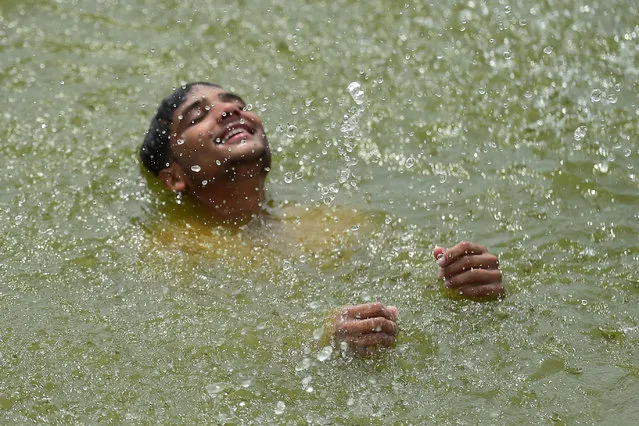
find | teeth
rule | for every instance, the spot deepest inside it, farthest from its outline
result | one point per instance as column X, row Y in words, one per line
column 232, row 133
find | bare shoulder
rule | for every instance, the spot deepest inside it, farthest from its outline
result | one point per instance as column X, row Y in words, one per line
column 194, row 237
column 317, row 227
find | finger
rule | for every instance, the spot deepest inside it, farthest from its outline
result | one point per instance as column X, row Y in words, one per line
column 367, row 326
column 354, row 328
column 438, row 252
column 372, row 340
column 486, row 290
column 370, row 310
column 462, row 249
column 474, row 277
column 466, row 263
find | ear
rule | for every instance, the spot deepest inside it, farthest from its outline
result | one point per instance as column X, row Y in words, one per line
column 173, row 178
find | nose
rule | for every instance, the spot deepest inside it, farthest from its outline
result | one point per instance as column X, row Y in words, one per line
column 227, row 111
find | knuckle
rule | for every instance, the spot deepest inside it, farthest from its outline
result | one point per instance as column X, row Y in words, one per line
column 377, row 306
column 467, row 291
column 467, row 263
column 465, row 245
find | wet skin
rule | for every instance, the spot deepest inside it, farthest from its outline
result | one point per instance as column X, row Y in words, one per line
column 219, row 154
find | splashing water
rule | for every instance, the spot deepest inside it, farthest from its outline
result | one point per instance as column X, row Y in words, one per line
column 580, row 133
column 355, row 89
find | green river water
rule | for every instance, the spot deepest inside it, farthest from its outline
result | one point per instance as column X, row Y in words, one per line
column 510, row 123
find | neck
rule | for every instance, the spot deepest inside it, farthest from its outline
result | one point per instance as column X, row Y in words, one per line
column 234, row 201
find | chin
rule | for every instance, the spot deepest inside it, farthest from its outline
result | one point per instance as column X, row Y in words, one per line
column 256, row 159
column 253, row 152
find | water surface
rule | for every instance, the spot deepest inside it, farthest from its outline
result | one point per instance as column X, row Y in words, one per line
column 510, row 123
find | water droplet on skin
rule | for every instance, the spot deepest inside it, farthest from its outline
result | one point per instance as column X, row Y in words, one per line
column 355, row 89
column 580, row 132
column 196, row 168
column 204, row 182
column 595, row 96
column 180, row 141
column 218, row 162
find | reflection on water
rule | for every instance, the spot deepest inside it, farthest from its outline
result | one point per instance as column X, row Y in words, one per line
column 510, row 124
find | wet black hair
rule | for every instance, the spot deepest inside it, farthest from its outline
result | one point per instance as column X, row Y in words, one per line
column 154, row 151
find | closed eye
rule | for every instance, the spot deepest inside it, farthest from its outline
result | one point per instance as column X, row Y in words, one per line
column 195, row 113
column 196, row 116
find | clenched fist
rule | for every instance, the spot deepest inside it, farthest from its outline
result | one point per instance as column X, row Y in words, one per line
column 469, row 269
column 367, row 328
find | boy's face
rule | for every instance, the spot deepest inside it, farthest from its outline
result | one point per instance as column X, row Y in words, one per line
column 212, row 134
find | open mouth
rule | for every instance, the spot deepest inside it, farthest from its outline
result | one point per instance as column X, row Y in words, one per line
column 233, row 134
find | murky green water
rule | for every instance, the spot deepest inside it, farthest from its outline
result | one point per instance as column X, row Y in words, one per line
column 510, row 123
